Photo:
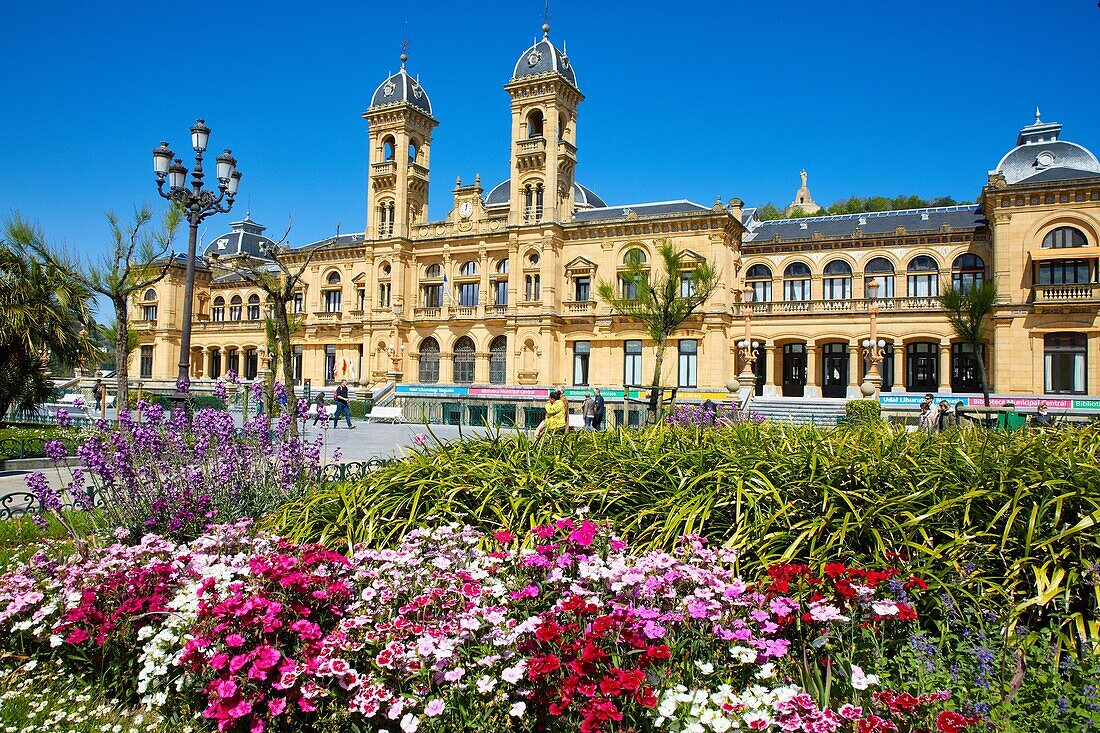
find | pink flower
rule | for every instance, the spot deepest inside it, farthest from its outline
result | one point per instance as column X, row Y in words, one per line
column 850, row 712
column 226, row 688
column 862, row 681
column 434, row 708
column 276, row 706
column 234, row 640
column 241, row 709
column 503, row 536
column 454, row 675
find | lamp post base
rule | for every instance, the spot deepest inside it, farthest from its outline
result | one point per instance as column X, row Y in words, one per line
column 180, row 403
column 870, row 386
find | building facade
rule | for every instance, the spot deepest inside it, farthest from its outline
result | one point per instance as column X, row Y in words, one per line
column 500, row 294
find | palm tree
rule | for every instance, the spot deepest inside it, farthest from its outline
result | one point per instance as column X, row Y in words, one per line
column 661, row 301
column 137, row 259
column 44, row 316
column 967, row 309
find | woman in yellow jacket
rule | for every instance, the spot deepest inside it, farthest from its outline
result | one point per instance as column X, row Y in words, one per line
column 556, row 420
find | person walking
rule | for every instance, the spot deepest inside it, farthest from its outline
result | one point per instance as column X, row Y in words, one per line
column 1042, row 417
column 99, row 394
column 599, row 410
column 556, row 421
column 343, row 405
column 927, row 423
column 564, row 406
column 943, row 416
column 322, row 411
column 588, row 410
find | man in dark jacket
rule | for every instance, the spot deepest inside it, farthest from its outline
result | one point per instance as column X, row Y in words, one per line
column 343, row 406
column 600, row 410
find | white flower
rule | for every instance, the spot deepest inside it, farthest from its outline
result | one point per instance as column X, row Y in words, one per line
column 705, row 667
column 766, row 671
column 518, row 709
column 885, row 608
column 410, row 723
column 862, row 681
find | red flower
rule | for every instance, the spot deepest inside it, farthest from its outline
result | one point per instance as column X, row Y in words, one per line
column 503, row 536
column 951, row 722
column 542, row 665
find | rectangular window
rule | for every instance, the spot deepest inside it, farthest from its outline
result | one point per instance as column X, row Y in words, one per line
column 384, row 295
column 217, row 313
column 233, row 361
column 796, row 290
column 149, row 313
column 582, row 350
column 885, row 286
column 467, row 295
column 837, row 288
column 299, row 303
column 1065, row 372
column 629, row 289
column 251, row 363
column 500, row 297
column 924, row 286
column 533, row 289
column 762, row 291
column 582, row 288
column 687, row 285
column 632, row 363
column 332, row 301
column 1064, row 272
column 689, row 362
column 146, row 362
column 433, row 296
column 253, row 312
column 330, row 364
column 298, row 353
column 234, row 313
column 361, row 299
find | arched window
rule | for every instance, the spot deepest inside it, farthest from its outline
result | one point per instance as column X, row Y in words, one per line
column 235, row 308
column 634, row 256
column 254, row 307
column 879, row 270
column 759, row 278
column 413, row 150
column 796, row 282
column 429, row 361
column 534, row 123
column 334, row 294
column 468, row 269
column 385, row 218
column 217, row 310
column 433, row 271
column 561, row 127
column 837, row 283
column 532, row 259
column 1064, row 237
column 498, row 360
column 967, row 271
column 333, row 278
column 388, row 148
column 1064, row 363
column 464, row 361
column 924, row 277
column 150, row 294
column 502, row 267
column 384, row 271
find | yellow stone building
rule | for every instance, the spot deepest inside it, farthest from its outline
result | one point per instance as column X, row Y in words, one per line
column 498, row 298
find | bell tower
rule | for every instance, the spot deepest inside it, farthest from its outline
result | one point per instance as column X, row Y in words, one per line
column 545, row 97
column 400, row 129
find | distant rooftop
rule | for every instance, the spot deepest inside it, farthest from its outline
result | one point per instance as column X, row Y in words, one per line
column 969, row 216
column 653, row 208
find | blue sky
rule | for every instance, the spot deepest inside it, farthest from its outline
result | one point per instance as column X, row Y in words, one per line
column 684, row 100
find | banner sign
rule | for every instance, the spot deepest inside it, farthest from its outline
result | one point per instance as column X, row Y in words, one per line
column 429, row 390
column 523, row 393
column 503, row 392
column 1022, row 402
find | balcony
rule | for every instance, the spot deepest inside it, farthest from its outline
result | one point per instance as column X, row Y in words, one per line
column 1067, row 294
column 384, row 168
column 464, row 311
column 496, row 311
column 418, row 171
column 148, row 324
column 531, row 145
column 579, row 307
column 427, row 313
column 327, row 316
column 833, row 307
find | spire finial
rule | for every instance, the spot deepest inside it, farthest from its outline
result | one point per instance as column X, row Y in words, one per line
column 546, row 20
column 405, row 46
column 1037, row 120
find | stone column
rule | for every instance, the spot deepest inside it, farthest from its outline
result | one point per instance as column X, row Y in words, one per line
column 944, row 367
column 813, row 375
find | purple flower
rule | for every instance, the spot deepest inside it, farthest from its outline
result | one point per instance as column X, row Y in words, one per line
column 63, row 418
column 56, row 450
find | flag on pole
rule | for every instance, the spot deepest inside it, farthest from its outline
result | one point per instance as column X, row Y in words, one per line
column 447, row 290
column 345, row 366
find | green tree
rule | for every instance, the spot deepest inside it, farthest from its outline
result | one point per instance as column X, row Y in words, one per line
column 44, row 316
column 274, row 274
column 769, row 212
column 137, row 259
column 967, row 310
column 661, row 301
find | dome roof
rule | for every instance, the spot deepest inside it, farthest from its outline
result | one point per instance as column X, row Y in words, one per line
column 583, row 197
column 246, row 237
column 401, row 88
column 1040, row 156
column 542, row 58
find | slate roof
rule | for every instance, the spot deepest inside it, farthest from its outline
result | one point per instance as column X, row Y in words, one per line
column 401, row 88
column 246, row 237
column 656, row 208
column 1060, row 174
column 543, row 58
column 877, row 222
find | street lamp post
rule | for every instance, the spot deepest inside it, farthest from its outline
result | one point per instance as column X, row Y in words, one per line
column 198, row 203
column 872, row 347
column 747, row 346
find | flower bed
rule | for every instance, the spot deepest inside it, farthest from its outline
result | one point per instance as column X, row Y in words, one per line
column 455, row 630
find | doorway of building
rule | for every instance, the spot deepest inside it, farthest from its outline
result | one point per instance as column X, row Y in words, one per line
column 922, row 362
column 760, row 368
column 834, row 370
column 794, row 370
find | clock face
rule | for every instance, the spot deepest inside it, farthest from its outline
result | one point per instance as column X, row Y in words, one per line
column 465, row 209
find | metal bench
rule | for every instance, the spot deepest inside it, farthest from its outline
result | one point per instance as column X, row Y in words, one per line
column 392, row 414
